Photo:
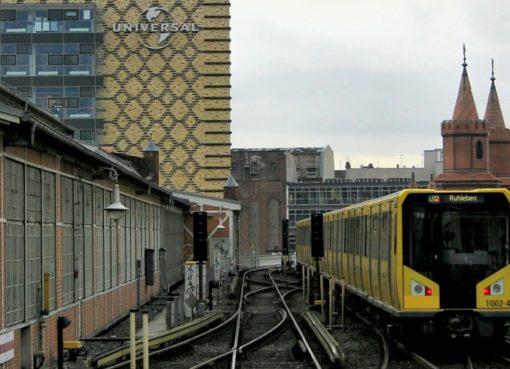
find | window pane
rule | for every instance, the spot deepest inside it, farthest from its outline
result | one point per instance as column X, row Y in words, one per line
column 24, row 49
column 54, row 59
column 87, row 134
column 49, row 48
column 71, row 59
column 87, row 92
column 54, row 102
column 86, row 48
column 8, row 60
column 25, row 91
column 72, row 102
column 71, row 15
column 71, row 48
column 54, row 14
column 8, row 15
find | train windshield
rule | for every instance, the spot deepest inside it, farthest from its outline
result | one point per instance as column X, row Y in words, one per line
column 456, row 240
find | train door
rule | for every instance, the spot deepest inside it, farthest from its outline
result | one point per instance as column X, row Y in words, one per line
column 339, row 248
column 392, row 254
column 374, row 253
column 358, row 237
column 350, row 241
column 344, row 265
column 384, row 252
column 365, row 257
column 326, row 262
column 334, row 243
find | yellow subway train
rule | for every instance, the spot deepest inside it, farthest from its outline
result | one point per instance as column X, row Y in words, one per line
column 425, row 261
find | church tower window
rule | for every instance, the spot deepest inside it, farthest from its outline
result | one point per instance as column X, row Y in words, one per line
column 479, row 150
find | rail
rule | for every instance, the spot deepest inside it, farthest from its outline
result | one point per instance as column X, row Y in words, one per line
column 296, row 325
column 328, row 342
column 110, row 358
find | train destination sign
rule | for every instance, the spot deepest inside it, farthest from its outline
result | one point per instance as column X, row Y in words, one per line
column 456, row 199
column 155, row 27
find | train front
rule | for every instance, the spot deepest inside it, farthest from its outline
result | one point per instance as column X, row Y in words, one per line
column 456, row 272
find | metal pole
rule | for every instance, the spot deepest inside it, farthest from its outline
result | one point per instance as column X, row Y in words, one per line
column 132, row 338
column 317, row 288
column 62, row 323
column 200, row 275
column 342, row 282
column 321, row 282
column 308, row 271
column 303, row 273
column 145, row 316
column 331, row 302
column 138, row 277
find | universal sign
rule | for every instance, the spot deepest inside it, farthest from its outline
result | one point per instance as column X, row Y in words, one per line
column 155, row 27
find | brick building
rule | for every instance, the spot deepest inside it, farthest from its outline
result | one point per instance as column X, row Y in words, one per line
column 475, row 151
column 63, row 254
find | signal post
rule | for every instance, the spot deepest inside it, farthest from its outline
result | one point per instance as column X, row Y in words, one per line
column 317, row 242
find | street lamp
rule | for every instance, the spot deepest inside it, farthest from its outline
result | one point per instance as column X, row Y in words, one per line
column 116, row 209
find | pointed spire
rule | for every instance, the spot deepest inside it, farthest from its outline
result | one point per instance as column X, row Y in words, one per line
column 493, row 114
column 231, row 182
column 465, row 108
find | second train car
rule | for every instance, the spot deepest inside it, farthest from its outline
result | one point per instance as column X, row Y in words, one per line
column 431, row 261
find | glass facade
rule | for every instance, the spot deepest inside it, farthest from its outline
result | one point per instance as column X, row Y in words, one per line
column 46, row 20
column 305, row 199
column 48, row 56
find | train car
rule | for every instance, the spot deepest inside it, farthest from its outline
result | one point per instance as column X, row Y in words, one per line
column 425, row 261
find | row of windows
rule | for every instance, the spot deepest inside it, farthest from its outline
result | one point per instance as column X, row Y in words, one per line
column 67, row 91
column 66, row 48
column 97, row 254
column 63, row 102
column 46, row 20
column 48, row 60
column 46, row 14
column 67, row 59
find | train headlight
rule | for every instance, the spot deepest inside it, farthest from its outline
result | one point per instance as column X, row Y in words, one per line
column 418, row 289
column 495, row 289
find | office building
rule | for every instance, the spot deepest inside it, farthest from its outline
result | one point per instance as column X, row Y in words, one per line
column 126, row 72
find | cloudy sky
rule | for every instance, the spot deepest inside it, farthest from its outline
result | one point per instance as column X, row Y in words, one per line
column 372, row 79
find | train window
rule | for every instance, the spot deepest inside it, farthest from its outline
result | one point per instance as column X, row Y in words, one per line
column 450, row 237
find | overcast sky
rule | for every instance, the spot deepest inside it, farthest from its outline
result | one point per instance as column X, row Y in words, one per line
column 372, row 79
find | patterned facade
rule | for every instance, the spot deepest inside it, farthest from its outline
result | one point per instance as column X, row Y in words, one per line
column 177, row 95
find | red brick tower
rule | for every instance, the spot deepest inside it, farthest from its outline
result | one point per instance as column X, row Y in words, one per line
column 465, row 144
column 499, row 136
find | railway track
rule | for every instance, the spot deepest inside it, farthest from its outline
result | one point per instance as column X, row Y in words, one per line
column 267, row 334
column 260, row 333
column 264, row 328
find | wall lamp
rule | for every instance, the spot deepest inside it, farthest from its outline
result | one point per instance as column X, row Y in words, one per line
column 220, row 222
column 116, row 209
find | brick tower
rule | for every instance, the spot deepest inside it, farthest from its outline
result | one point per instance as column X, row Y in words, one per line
column 499, row 136
column 466, row 144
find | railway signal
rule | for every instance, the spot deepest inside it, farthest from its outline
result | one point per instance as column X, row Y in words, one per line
column 200, row 236
column 200, row 245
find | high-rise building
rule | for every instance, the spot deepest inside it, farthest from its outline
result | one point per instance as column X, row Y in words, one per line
column 125, row 72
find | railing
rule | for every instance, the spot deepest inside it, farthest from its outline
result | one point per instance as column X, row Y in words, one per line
column 252, row 260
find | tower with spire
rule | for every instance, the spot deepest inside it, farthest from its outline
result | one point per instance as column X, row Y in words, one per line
column 499, row 135
column 466, row 144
